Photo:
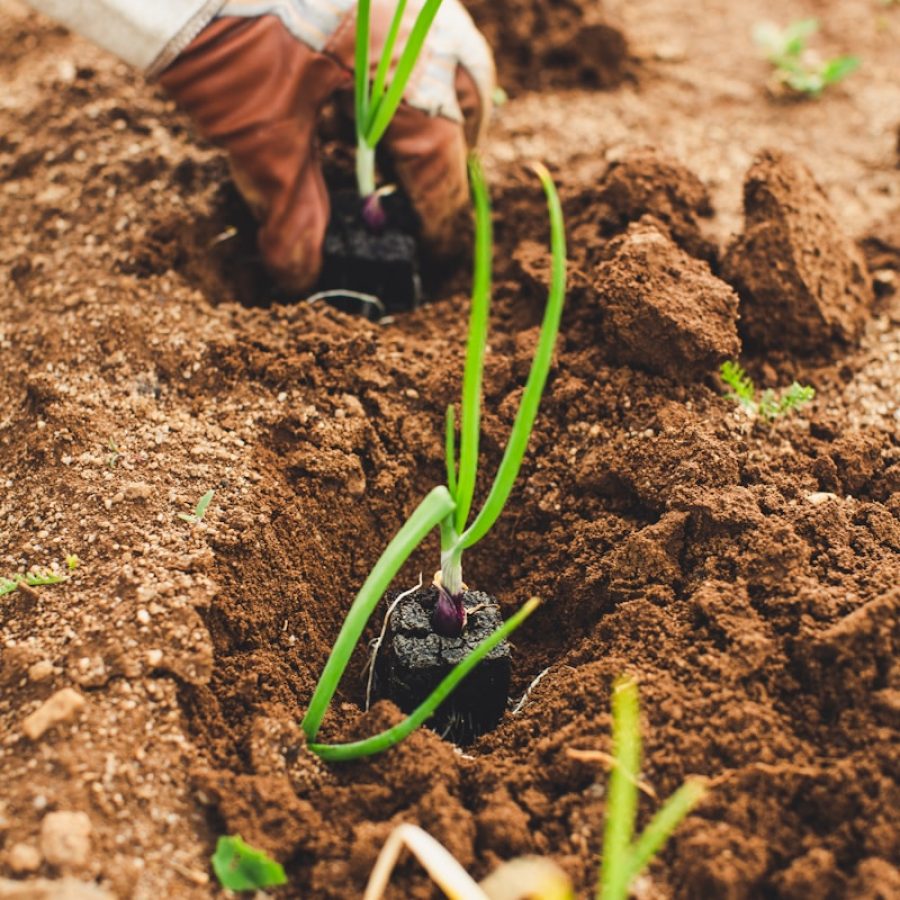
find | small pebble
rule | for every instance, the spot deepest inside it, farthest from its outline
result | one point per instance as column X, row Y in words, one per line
column 66, row 838
column 41, row 670
column 138, row 490
column 23, row 858
column 63, row 706
column 819, row 497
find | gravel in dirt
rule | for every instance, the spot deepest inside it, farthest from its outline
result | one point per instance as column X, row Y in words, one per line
column 744, row 573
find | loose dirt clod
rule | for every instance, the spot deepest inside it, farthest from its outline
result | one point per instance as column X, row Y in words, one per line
column 662, row 310
column 572, row 42
column 62, row 707
column 647, row 181
column 803, row 284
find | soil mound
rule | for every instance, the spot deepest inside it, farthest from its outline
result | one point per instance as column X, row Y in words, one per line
column 643, row 182
column 663, row 310
column 803, row 284
column 564, row 44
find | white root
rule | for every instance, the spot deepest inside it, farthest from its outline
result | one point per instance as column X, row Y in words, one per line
column 528, row 876
column 376, row 644
column 528, row 690
column 443, row 869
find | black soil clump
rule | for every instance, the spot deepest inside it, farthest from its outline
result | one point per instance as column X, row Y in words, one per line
column 415, row 659
column 359, row 260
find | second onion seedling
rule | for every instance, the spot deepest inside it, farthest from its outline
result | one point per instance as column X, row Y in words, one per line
column 448, row 507
column 375, row 100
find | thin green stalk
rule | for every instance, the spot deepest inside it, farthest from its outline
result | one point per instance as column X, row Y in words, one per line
column 361, row 62
column 450, row 449
column 365, row 169
column 470, row 410
column 390, row 737
column 615, row 871
column 381, row 116
column 429, row 513
column 537, row 378
column 384, row 64
column 661, row 826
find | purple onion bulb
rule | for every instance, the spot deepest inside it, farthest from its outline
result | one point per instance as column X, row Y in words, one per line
column 449, row 616
column 373, row 213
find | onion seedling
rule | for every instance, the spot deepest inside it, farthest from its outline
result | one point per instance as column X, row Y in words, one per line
column 457, row 534
column 448, row 506
column 376, row 101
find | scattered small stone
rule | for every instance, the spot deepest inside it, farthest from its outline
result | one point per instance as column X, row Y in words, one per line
column 63, row 706
column 41, row 670
column 23, row 858
column 154, row 658
column 45, row 889
column 66, row 838
column 817, row 498
column 138, row 490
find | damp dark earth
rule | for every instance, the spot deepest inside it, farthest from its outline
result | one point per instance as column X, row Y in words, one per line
column 744, row 572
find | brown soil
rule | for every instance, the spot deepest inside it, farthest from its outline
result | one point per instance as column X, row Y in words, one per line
column 746, row 575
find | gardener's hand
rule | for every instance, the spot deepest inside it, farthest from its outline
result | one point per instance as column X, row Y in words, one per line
column 255, row 84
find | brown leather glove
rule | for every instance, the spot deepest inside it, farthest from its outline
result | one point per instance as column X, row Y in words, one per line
column 256, row 89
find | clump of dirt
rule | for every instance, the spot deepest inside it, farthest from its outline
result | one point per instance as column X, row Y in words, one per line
column 663, row 310
column 560, row 44
column 643, row 182
column 804, row 285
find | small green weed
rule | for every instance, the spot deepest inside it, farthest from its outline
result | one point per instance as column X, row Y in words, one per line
column 199, row 510
column 797, row 68
column 31, row 579
column 624, row 858
column 240, row 867
column 769, row 405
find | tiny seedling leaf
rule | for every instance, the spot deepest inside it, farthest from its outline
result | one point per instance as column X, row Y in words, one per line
column 742, row 390
column 203, row 505
column 32, row 579
column 199, row 510
column 796, row 67
column 240, row 867
column 770, row 405
column 839, row 68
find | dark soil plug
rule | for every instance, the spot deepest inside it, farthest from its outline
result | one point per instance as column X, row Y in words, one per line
column 359, row 260
column 416, row 659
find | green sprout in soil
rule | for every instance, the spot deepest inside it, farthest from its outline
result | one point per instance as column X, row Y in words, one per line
column 797, row 68
column 448, row 507
column 375, row 100
column 240, row 867
column 199, row 510
column 72, row 562
column 768, row 405
column 114, row 454
column 31, row 579
column 623, row 859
